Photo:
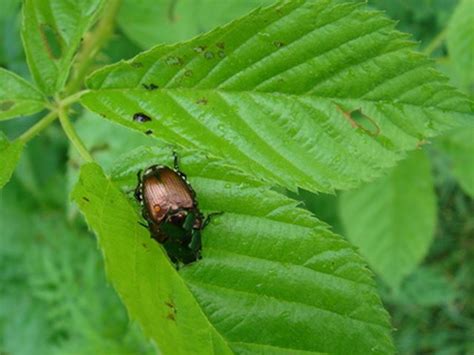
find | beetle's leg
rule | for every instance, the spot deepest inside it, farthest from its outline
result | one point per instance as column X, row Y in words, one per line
column 175, row 160
column 143, row 224
column 207, row 219
column 137, row 192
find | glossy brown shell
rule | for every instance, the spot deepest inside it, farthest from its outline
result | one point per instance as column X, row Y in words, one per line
column 164, row 190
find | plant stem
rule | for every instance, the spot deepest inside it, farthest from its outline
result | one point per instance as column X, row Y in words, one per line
column 73, row 98
column 72, row 135
column 435, row 42
column 38, row 126
column 92, row 44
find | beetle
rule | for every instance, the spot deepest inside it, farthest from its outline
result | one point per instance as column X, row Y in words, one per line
column 171, row 210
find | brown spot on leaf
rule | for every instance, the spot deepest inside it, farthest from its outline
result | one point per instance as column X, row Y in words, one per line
column 148, row 132
column 278, row 44
column 6, row 105
column 202, row 101
column 172, row 310
column 188, row 73
column 86, row 199
column 136, row 64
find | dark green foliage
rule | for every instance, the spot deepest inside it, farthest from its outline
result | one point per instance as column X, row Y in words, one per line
column 55, row 297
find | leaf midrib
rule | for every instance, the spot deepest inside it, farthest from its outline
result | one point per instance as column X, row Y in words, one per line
column 332, row 100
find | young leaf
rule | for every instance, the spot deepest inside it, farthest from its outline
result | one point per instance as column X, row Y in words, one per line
column 272, row 278
column 52, row 31
column 177, row 20
column 393, row 219
column 460, row 41
column 319, row 95
column 9, row 156
column 17, row 96
column 460, row 148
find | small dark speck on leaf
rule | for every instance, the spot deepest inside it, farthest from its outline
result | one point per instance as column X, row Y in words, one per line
column 202, row 101
column 86, row 199
column 141, row 117
column 171, row 316
column 148, row 132
column 144, row 245
column 221, row 54
column 174, row 60
column 136, row 64
column 200, row 49
column 278, row 44
column 150, row 86
column 189, row 73
column 220, row 45
column 209, row 55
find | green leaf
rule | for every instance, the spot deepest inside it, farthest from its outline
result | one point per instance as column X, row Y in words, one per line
column 272, row 279
column 9, row 156
column 52, row 31
column 460, row 148
column 17, row 96
column 320, row 95
column 460, row 41
column 393, row 219
column 148, row 284
column 151, row 22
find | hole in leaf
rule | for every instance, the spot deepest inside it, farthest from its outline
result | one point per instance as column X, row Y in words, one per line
column 141, row 117
column 358, row 119
column 52, row 40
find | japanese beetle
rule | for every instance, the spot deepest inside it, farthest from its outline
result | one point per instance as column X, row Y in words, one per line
column 170, row 208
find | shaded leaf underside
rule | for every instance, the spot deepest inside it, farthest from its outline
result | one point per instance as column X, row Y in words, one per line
column 272, row 278
column 392, row 220
column 274, row 92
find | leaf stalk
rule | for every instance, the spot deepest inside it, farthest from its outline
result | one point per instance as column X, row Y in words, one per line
column 72, row 135
column 38, row 126
column 92, row 45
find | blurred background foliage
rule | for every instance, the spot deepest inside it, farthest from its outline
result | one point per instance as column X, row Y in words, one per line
column 54, row 295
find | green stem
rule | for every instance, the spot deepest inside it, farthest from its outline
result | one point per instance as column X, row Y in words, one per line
column 92, row 44
column 38, row 126
column 435, row 42
column 72, row 135
column 73, row 98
